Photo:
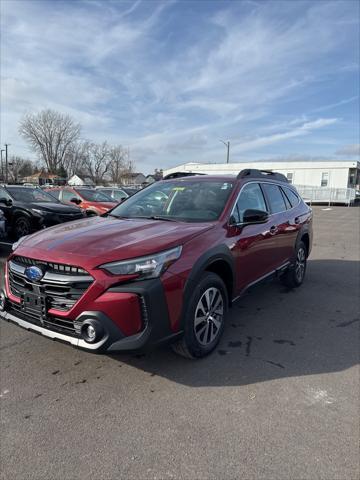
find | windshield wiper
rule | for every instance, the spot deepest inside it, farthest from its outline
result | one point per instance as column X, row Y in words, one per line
column 159, row 217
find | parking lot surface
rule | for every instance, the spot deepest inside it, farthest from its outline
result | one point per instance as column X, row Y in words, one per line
column 279, row 398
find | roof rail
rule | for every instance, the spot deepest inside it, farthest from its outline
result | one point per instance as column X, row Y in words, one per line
column 180, row 174
column 254, row 173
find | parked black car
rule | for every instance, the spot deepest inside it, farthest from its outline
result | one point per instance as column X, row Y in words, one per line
column 2, row 224
column 28, row 209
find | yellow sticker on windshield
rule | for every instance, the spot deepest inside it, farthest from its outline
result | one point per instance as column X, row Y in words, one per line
column 179, row 189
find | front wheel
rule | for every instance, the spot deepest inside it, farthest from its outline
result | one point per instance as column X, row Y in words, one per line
column 21, row 227
column 204, row 318
column 295, row 274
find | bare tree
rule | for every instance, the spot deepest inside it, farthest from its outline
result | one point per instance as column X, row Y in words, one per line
column 97, row 161
column 19, row 167
column 75, row 158
column 119, row 163
column 50, row 134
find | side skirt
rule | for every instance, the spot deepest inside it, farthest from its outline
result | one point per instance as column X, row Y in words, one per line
column 274, row 273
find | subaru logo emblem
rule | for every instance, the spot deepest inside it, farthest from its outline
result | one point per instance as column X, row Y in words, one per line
column 34, row 273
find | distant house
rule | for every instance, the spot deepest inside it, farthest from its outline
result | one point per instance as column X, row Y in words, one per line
column 133, row 179
column 44, row 178
column 149, row 179
column 77, row 181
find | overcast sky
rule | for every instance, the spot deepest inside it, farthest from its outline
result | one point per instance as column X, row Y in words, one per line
column 169, row 79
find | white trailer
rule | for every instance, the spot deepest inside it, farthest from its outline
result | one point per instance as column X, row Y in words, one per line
column 324, row 181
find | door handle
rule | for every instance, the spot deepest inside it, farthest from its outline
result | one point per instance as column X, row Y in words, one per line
column 273, row 230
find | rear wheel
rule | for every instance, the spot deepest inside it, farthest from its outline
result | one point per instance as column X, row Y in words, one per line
column 295, row 274
column 205, row 318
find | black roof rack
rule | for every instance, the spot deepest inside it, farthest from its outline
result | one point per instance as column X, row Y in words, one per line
column 253, row 173
column 181, row 174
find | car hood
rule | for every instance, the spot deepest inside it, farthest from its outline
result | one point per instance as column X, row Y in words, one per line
column 53, row 207
column 98, row 240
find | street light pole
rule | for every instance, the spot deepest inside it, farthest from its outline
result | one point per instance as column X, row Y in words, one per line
column 6, row 163
column 2, row 165
column 227, row 145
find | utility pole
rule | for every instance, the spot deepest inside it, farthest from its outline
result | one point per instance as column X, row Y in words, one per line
column 2, row 165
column 6, row 163
column 227, row 145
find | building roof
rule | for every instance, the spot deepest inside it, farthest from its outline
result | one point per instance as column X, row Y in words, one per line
column 235, row 168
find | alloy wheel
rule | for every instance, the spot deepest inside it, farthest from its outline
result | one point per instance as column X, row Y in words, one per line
column 209, row 316
column 22, row 227
column 300, row 264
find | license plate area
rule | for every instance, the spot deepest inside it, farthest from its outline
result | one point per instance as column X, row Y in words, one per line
column 34, row 304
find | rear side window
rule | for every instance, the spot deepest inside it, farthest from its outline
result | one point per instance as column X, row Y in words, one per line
column 275, row 197
column 251, row 197
column 293, row 198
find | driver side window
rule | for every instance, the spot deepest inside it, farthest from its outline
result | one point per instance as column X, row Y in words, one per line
column 4, row 194
column 68, row 195
column 252, row 198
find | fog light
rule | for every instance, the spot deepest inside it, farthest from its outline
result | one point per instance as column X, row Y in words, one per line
column 91, row 333
column 2, row 301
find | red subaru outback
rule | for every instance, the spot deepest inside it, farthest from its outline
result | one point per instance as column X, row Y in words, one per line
column 165, row 265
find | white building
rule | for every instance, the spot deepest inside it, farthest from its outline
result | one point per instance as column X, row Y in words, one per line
column 330, row 174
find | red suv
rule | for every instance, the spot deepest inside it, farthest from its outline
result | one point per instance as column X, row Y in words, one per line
column 165, row 265
column 89, row 199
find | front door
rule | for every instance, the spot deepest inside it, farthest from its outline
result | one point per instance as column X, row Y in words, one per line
column 251, row 245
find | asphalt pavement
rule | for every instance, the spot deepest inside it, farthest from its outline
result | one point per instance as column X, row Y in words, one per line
column 278, row 399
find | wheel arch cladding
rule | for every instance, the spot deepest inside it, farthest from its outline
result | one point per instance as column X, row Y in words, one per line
column 218, row 260
column 306, row 240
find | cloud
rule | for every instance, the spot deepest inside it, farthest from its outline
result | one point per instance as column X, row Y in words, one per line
column 170, row 79
column 304, row 129
column 349, row 150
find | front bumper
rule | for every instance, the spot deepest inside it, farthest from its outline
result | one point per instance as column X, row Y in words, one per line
column 156, row 324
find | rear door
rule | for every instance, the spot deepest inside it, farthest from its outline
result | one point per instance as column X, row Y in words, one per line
column 252, row 244
column 282, row 231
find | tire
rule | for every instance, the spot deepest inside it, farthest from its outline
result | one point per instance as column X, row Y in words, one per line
column 204, row 318
column 295, row 275
column 21, row 227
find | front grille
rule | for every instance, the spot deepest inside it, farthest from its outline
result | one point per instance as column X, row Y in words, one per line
column 59, row 325
column 49, row 266
column 61, row 286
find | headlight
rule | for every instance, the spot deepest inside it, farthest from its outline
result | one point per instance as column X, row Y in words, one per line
column 38, row 211
column 18, row 242
column 151, row 266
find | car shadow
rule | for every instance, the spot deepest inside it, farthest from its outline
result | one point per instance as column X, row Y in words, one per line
column 273, row 332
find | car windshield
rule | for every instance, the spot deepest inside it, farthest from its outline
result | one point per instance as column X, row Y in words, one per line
column 190, row 201
column 28, row 194
column 94, row 195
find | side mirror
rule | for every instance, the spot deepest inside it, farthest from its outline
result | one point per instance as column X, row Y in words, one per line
column 255, row 216
column 75, row 200
column 122, row 199
column 6, row 201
